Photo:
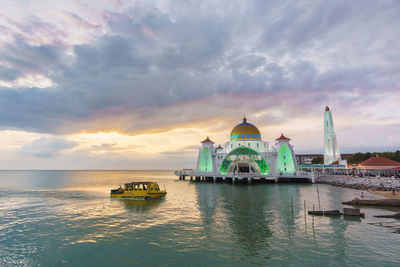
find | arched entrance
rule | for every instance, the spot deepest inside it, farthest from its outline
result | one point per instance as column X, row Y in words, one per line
column 239, row 166
column 244, row 159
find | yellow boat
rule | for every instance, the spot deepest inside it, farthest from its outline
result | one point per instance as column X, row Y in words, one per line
column 138, row 190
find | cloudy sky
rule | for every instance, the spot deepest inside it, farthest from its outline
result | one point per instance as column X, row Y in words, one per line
column 116, row 84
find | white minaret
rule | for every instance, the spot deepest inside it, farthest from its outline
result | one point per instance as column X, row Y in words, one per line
column 332, row 152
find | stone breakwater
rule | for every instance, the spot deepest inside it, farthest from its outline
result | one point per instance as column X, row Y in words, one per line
column 362, row 183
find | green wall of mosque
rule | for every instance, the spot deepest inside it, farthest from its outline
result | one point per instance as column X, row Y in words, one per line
column 205, row 162
column 285, row 160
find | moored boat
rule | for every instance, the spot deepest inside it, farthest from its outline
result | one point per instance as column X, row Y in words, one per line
column 138, row 190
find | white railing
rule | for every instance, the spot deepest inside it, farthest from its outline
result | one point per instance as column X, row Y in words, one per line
column 184, row 172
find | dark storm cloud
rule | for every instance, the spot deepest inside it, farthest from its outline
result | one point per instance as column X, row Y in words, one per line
column 152, row 60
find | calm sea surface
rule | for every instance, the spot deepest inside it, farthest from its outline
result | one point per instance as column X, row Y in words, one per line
column 57, row 218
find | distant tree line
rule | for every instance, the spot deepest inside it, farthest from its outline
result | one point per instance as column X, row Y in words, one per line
column 360, row 157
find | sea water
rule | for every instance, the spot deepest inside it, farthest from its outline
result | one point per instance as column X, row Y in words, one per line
column 66, row 218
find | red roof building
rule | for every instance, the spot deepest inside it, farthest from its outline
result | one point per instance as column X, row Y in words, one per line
column 379, row 163
column 282, row 137
column 207, row 140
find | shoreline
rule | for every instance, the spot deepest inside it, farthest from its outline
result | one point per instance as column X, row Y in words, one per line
column 381, row 186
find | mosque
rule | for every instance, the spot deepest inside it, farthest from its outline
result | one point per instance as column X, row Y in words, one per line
column 247, row 157
column 246, row 153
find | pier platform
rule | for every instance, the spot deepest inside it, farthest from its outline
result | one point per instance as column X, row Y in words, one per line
column 244, row 178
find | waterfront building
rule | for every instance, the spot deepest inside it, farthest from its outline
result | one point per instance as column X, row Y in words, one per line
column 379, row 163
column 246, row 152
column 306, row 159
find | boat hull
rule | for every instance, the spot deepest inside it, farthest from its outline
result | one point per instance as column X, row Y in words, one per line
column 139, row 195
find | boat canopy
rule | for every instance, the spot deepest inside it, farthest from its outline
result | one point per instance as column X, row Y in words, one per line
column 136, row 183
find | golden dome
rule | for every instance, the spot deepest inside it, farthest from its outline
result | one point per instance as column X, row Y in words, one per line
column 245, row 131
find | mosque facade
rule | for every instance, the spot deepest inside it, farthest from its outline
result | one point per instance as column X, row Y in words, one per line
column 247, row 153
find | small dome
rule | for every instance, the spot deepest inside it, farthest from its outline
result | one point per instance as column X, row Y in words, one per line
column 245, row 131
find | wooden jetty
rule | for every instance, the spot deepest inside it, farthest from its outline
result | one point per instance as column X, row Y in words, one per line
column 346, row 212
column 374, row 202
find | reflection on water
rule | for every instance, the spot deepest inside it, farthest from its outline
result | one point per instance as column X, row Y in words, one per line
column 352, row 218
column 243, row 208
column 139, row 205
column 67, row 218
column 248, row 215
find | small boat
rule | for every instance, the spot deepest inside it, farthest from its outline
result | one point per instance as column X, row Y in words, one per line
column 138, row 190
column 396, row 215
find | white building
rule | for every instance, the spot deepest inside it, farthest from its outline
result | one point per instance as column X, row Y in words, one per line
column 245, row 152
column 306, row 159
